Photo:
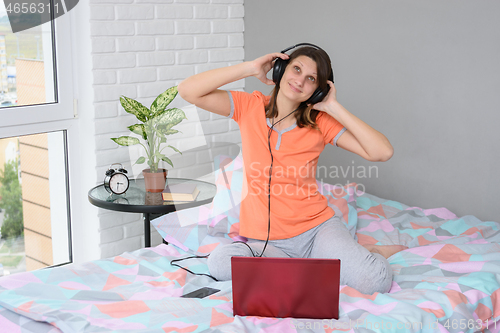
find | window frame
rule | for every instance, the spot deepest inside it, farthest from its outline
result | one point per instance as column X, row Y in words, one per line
column 63, row 75
column 56, row 116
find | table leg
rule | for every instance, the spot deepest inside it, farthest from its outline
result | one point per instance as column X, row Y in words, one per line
column 147, row 230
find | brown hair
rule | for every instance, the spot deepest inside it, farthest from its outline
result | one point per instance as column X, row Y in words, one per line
column 305, row 115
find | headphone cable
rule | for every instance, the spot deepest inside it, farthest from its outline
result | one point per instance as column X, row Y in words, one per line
column 184, row 268
column 270, row 174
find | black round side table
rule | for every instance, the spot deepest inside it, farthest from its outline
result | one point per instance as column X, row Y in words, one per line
column 137, row 200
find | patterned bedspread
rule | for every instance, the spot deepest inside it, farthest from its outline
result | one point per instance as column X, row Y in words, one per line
column 448, row 279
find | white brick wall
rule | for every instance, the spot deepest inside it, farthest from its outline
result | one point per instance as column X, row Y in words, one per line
column 139, row 49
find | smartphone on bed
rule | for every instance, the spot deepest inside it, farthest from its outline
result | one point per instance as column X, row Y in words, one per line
column 201, row 293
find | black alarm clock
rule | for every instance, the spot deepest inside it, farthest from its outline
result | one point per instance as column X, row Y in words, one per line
column 116, row 180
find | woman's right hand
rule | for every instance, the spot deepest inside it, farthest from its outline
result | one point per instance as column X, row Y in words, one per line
column 264, row 64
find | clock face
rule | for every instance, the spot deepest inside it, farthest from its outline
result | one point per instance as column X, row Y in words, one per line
column 118, row 183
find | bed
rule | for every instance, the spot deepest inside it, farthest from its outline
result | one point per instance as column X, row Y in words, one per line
column 447, row 280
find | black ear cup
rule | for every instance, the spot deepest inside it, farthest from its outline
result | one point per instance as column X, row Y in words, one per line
column 318, row 95
column 279, row 69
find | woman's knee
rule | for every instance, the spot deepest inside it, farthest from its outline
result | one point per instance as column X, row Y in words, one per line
column 219, row 260
column 384, row 276
column 375, row 275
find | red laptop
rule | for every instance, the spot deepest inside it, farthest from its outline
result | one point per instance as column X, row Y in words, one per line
column 286, row 287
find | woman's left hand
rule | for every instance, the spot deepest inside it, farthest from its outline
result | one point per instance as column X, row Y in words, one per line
column 327, row 103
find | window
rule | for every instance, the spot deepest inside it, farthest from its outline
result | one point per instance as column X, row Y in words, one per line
column 37, row 133
column 36, row 63
column 34, row 221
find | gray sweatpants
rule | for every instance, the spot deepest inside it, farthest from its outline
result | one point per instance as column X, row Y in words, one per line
column 360, row 269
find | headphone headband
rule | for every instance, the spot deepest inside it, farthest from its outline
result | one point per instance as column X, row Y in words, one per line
column 301, row 44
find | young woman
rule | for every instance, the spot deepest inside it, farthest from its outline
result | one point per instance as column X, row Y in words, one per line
column 301, row 222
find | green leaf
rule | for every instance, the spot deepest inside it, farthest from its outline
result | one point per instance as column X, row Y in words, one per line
column 163, row 100
column 159, row 155
column 137, row 109
column 177, row 150
column 166, row 159
column 162, row 136
column 163, row 130
column 126, row 141
column 171, row 117
column 139, row 129
column 171, row 131
column 140, row 160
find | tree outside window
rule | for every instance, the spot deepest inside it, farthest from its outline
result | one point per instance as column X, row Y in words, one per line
column 11, row 201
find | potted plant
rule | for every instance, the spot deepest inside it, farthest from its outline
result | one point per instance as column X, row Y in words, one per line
column 156, row 124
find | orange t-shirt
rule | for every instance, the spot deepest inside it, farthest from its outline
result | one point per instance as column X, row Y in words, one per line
column 296, row 204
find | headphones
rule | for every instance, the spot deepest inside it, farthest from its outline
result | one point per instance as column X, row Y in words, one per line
column 279, row 69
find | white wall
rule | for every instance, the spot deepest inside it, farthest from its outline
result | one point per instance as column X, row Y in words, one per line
column 139, row 49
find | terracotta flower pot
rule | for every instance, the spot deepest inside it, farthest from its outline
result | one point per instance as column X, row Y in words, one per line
column 155, row 181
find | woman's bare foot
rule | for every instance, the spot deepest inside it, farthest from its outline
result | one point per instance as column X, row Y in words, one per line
column 385, row 250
